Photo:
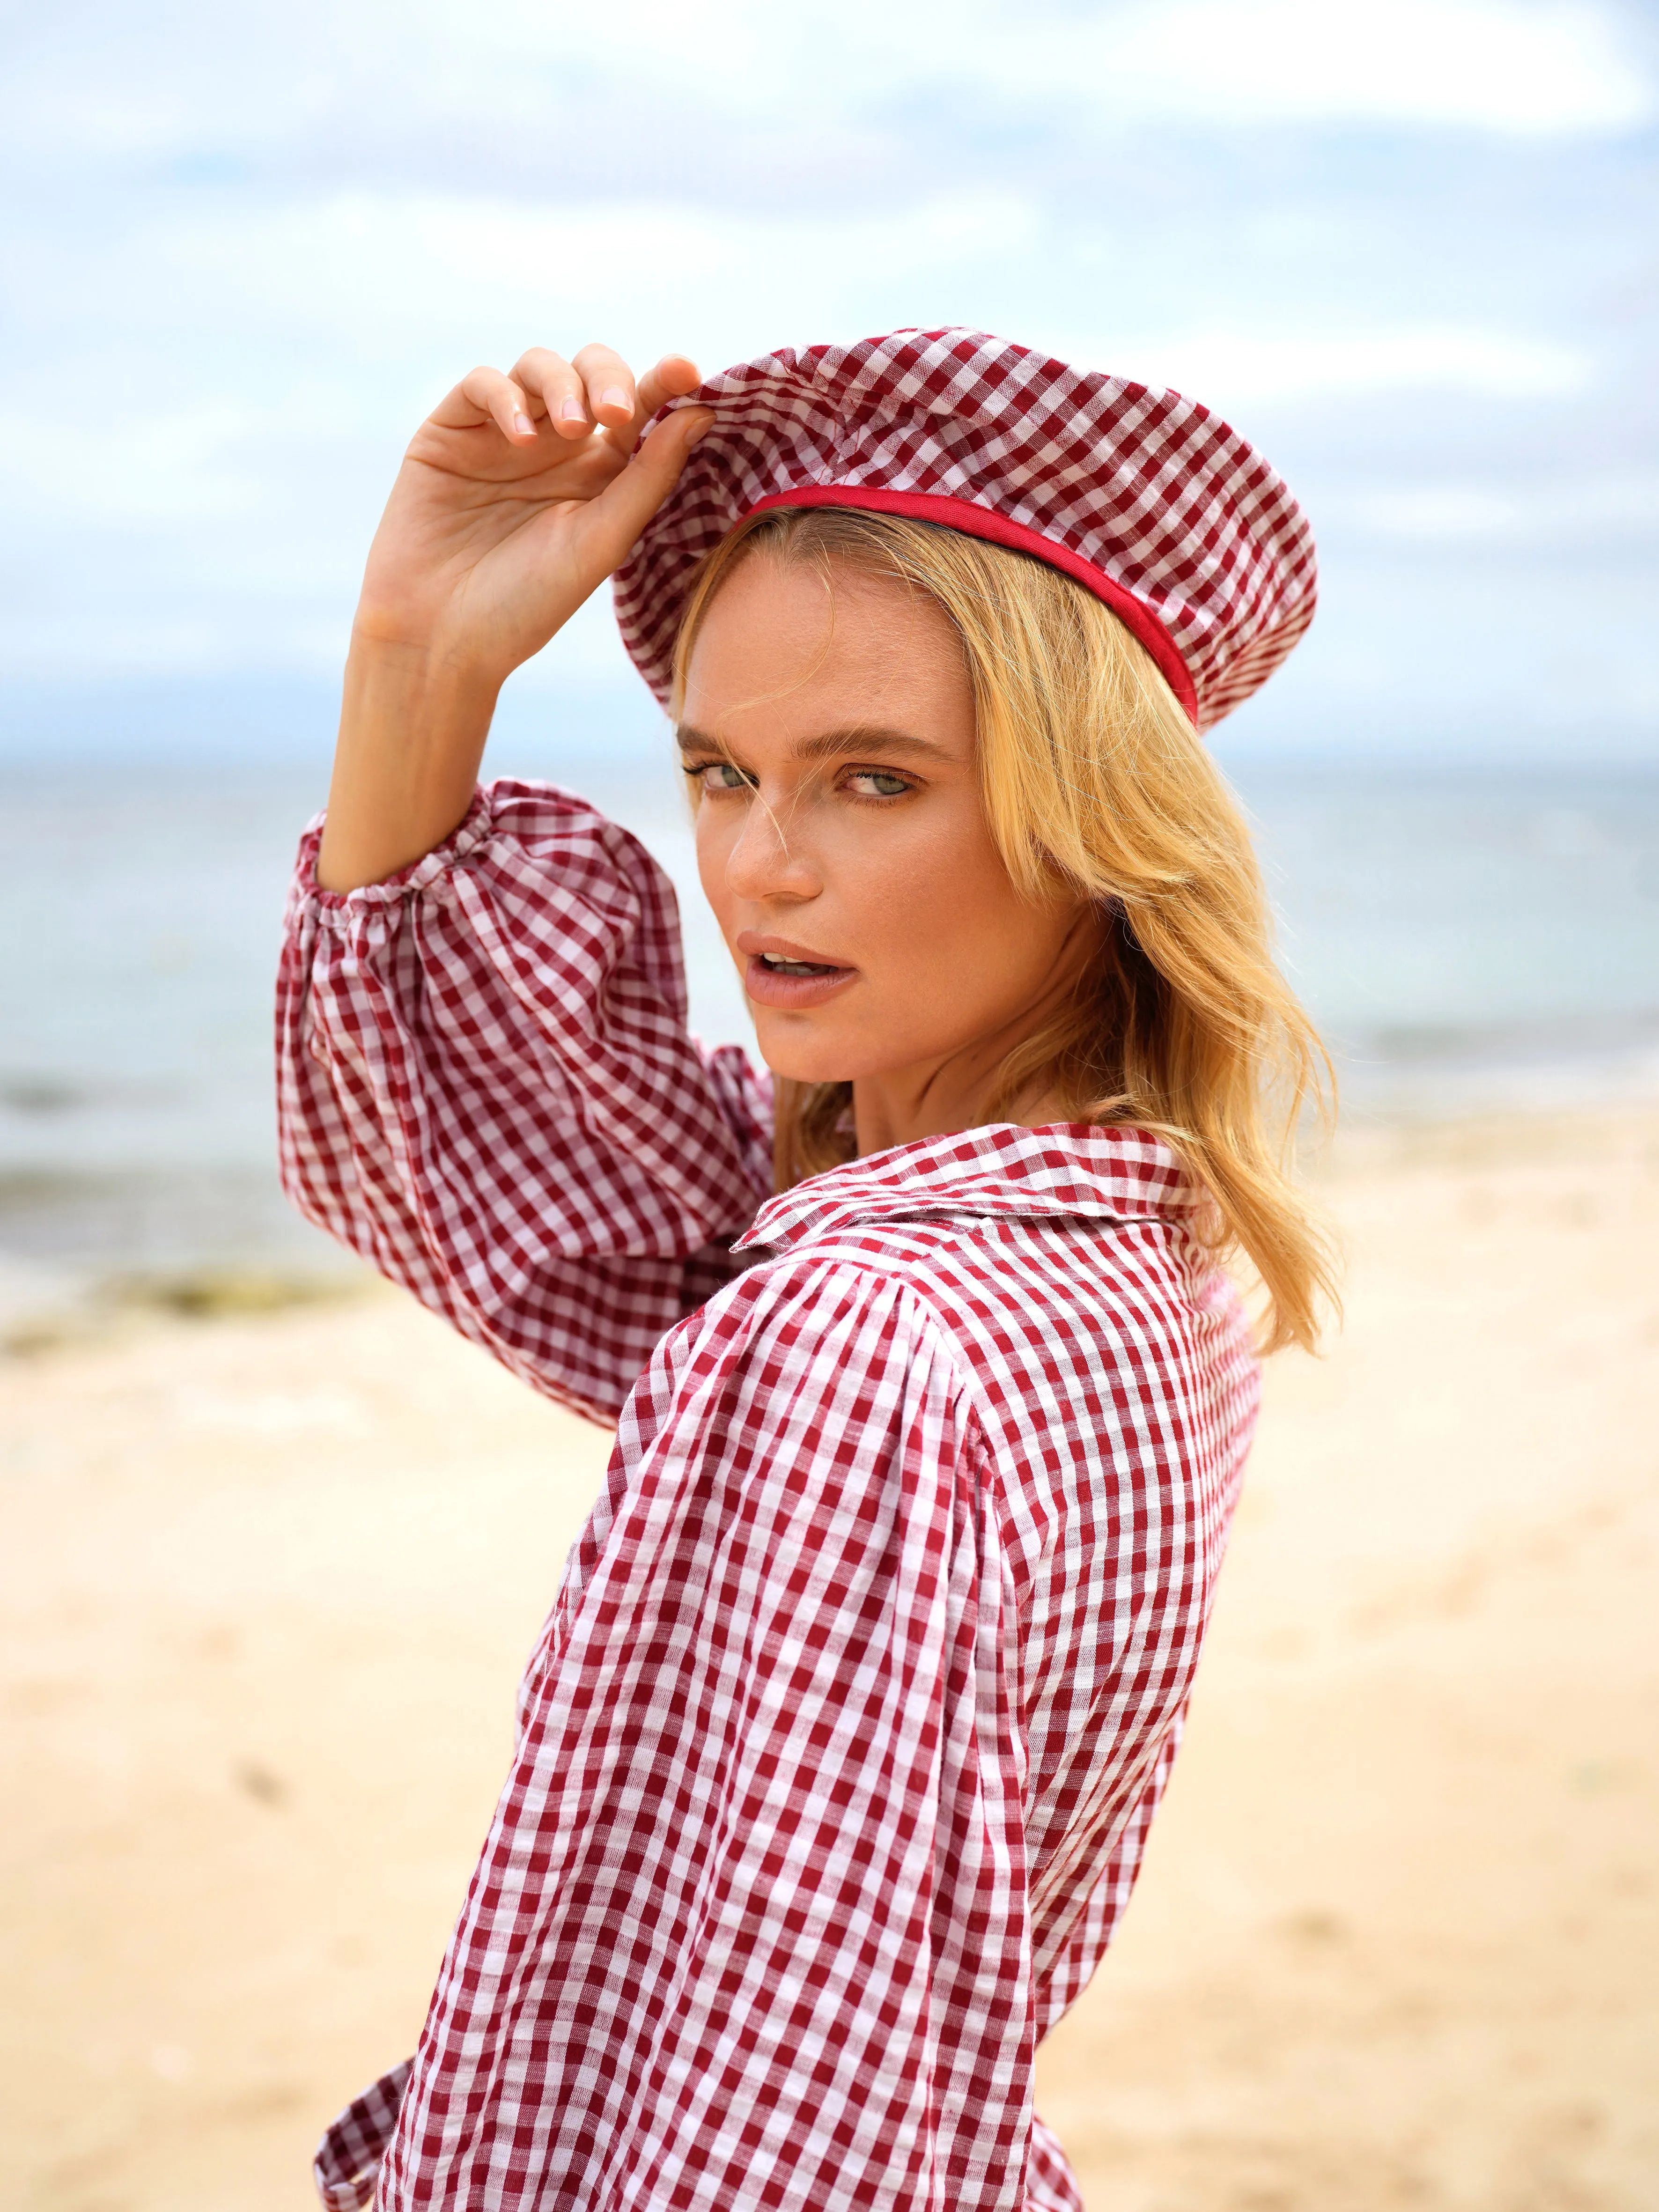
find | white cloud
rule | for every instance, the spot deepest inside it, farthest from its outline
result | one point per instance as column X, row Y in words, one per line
column 275, row 357
column 362, row 278
column 137, row 466
column 1481, row 64
column 1612, row 510
column 117, row 82
column 254, row 245
column 1240, row 366
column 331, row 318
column 1509, row 65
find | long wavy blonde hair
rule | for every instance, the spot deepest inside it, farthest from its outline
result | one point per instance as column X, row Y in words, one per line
column 1095, row 785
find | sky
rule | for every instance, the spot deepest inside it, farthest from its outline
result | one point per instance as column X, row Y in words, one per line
column 1411, row 250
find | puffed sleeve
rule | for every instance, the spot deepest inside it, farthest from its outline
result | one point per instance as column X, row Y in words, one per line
column 486, row 1089
column 752, row 1925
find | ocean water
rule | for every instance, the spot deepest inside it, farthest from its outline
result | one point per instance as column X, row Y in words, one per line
column 1469, row 941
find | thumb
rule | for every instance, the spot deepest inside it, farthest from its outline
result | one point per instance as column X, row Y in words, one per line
column 622, row 510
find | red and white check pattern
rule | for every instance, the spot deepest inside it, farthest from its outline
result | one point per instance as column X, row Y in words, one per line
column 836, row 1758
column 1150, row 490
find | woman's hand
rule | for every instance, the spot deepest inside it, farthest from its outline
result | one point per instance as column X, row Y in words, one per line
column 517, row 498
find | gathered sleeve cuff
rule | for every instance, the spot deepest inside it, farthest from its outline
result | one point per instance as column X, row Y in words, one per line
column 486, row 1087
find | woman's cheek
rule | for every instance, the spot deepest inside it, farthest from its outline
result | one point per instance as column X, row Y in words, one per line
column 917, row 881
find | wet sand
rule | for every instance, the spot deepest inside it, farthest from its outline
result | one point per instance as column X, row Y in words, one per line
column 268, row 1582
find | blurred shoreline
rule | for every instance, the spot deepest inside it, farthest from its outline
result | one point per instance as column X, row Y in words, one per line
column 84, row 1260
column 1474, row 942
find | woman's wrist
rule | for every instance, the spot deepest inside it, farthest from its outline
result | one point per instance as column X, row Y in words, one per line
column 412, row 674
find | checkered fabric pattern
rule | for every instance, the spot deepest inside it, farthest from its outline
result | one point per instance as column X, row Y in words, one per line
column 835, row 1760
column 345, row 2168
column 1145, row 495
column 485, row 1087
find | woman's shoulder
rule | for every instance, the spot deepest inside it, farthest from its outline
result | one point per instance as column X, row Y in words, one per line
column 1012, row 1308
column 1053, row 1274
column 810, row 1323
column 815, row 1298
column 1022, row 1230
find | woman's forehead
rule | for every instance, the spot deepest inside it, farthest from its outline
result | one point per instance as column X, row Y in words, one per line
column 777, row 631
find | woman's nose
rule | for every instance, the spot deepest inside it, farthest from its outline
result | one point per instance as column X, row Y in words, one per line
column 770, row 860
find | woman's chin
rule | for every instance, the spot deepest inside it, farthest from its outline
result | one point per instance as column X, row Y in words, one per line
column 791, row 1051
column 790, row 1067
column 797, row 1047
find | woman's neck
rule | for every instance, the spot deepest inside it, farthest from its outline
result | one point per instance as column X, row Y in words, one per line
column 939, row 1097
column 904, row 1107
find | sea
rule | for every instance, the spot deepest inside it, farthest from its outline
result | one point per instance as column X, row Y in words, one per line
column 1471, row 940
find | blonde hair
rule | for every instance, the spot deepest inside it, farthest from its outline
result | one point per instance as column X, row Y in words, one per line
column 1096, row 785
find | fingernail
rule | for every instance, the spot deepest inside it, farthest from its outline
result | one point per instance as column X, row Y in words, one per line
column 702, row 430
column 614, row 396
column 572, row 411
column 524, row 426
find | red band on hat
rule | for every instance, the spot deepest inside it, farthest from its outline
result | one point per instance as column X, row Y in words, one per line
column 975, row 521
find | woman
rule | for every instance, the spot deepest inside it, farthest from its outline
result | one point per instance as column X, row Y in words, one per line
column 836, row 1758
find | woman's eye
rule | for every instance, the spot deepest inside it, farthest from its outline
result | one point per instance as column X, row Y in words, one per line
column 720, row 775
column 876, row 783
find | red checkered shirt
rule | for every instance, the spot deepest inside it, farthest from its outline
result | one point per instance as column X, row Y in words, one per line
column 836, row 1756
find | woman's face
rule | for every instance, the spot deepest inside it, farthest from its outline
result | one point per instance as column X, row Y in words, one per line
column 843, row 843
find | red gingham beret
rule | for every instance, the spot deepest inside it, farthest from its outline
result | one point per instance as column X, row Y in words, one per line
column 1144, row 497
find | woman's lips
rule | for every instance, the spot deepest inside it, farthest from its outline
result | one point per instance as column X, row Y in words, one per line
column 795, row 983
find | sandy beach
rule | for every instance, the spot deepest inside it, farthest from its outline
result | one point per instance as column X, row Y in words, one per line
column 269, row 1582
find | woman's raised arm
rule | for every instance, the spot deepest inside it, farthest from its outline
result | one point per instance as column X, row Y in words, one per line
column 517, row 496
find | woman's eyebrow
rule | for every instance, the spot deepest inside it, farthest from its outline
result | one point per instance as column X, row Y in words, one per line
column 831, row 744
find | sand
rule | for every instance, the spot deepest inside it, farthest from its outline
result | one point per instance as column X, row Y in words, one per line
column 268, row 1582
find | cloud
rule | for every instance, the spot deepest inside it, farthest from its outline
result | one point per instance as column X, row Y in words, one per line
column 1239, row 366
column 119, row 84
column 1605, row 512
column 183, row 464
column 261, row 344
column 1523, row 66
column 250, row 247
column 1474, row 64
column 276, row 355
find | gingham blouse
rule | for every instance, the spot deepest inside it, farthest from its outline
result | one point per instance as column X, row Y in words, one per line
column 836, row 1756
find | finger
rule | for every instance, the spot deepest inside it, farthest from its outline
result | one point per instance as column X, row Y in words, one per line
column 555, row 389
column 673, row 376
column 488, row 396
column 611, row 397
column 622, row 510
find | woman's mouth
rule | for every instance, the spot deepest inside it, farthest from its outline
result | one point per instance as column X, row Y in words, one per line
column 772, row 979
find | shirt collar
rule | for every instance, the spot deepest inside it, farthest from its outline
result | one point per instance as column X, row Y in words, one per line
column 1062, row 1169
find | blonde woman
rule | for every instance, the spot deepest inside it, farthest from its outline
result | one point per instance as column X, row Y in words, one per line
column 837, row 1755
